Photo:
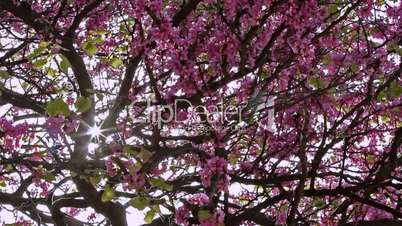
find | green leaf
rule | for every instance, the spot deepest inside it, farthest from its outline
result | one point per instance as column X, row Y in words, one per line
column 100, row 96
column 39, row 63
column 399, row 51
column 44, row 44
column 233, row 159
column 38, row 51
column 90, row 48
column 317, row 83
column 98, row 40
column 24, row 85
column 264, row 74
column 156, row 208
column 145, row 155
column 57, row 107
column 319, row 203
column 333, row 9
column 4, row 74
column 140, row 202
column 382, row 96
column 161, row 183
column 327, row 60
column 129, row 151
column 204, row 214
column 49, row 177
column 91, row 91
column 64, row 64
column 2, row 184
column 8, row 168
column 73, row 174
column 108, row 194
column 123, row 29
column 354, row 67
column 392, row 46
column 370, row 159
column 95, row 179
column 395, row 90
column 83, row 104
column 51, row 72
column 149, row 216
column 116, row 62
column 100, row 31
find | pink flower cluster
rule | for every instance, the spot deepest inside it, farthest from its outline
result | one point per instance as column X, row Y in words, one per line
column 110, row 168
column 215, row 166
column 183, row 213
column 54, row 125
column 198, row 199
column 12, row 133
column 134, row 180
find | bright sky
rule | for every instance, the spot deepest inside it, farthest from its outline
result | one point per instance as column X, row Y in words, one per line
column 134, row 217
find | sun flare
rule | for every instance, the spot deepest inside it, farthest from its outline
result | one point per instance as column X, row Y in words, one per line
column 95, row 132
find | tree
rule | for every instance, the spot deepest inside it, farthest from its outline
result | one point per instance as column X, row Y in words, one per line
column 201, row 112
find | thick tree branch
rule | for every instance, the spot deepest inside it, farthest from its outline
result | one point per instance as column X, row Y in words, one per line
column 20, row 100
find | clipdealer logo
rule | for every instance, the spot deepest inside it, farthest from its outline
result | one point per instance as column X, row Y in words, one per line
column 220, row 116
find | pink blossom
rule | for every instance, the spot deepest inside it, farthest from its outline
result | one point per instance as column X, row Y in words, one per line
column 134, row 180
column 110, row 168
column 54, row 125
column 199, row 199
column 215, row 166
column 181, row 216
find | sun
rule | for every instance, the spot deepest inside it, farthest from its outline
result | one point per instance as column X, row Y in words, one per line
column 94, row 132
